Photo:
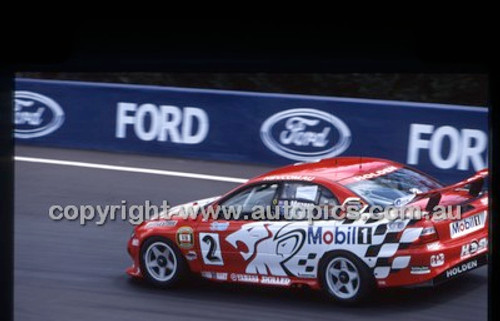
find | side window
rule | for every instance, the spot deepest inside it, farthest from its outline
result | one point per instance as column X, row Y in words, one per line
column 300, row 192
column 326, row 197
column 248, row 199
column 316, row 194
column 297, row 197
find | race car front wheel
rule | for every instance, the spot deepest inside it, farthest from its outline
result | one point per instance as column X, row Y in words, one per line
column 345, row 278
column 161, row 262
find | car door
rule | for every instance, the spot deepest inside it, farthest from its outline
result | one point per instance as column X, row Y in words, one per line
column 228, row 239
column 286, row 252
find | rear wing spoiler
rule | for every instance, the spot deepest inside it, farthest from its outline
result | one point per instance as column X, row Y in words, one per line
column 475, row 183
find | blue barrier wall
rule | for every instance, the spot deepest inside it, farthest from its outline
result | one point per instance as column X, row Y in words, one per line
column 448, row 142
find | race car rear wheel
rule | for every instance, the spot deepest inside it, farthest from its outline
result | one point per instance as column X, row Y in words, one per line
column 345, row 278
column 161, row 262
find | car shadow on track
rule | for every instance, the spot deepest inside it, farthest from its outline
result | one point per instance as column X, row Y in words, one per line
column 387, row 299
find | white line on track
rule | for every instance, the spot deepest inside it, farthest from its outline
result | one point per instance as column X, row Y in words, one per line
column 130, row 169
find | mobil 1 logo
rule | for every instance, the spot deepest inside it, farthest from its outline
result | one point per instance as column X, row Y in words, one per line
column 339, row 235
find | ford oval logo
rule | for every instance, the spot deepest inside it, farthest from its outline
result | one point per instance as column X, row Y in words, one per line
column 305, row 134
column 35, row 115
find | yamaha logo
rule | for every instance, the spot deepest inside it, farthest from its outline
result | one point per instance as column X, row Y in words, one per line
column 305, row 134
column 35, row 115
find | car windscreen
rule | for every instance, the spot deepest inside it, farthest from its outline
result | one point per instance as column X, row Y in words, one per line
column 395, row 188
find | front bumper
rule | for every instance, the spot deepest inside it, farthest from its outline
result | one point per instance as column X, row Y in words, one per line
column 133, row 250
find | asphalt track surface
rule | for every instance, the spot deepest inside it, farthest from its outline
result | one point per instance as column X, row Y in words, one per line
column 64, row 271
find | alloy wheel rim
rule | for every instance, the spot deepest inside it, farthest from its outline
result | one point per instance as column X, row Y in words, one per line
column 342, row 278
column 160, row 261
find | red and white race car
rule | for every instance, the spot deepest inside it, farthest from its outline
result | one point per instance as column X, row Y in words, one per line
column 346, row 257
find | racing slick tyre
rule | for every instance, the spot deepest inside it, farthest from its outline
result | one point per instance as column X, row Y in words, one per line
column 162, row 263
column 345, row 278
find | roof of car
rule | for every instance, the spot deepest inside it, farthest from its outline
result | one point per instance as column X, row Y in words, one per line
column 333, row 169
